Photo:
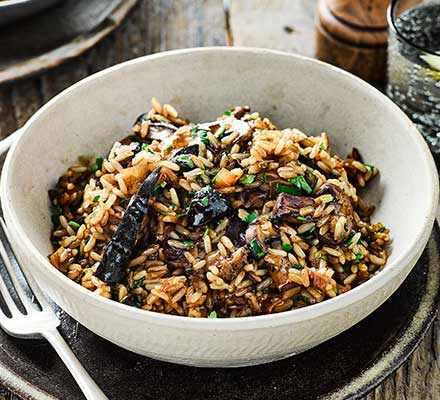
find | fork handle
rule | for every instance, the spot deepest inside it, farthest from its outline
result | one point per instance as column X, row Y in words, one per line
column 83, row 379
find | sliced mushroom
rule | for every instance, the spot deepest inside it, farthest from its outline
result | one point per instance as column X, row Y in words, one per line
column 112, row 268
column 288, row 207
column 229, row 268
column 208, row 205
column 343, row 207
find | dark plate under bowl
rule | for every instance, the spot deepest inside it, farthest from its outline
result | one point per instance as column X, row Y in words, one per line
column 345, row 367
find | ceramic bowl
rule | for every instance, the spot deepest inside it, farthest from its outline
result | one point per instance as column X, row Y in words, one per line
column 201, row 83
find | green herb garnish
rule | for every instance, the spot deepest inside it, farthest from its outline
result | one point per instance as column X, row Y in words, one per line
column 228, row 113
column 279, row 188
column 347, row 267
column 264, row 177
column 203, row 135
column 74, row 224
column 185, row 159
column 323, row 257
column 246, row 179
column 358, row 257
column 173, row 204
column 96, row 198
column 350, row 239
column 302, row 298
column 301, row 184
column 370, row 167
column 194, row 132
column 250, row 218
column 256, row 248
column 188, row 243
column 56, row 217
column 297, row 266
column 168, row 147
column 302, row 219
column 96, row 166
column 321, row 146
column 212, row 314
column 139, row 282
column 205, row 201
column 158, row 187
column 286, row 246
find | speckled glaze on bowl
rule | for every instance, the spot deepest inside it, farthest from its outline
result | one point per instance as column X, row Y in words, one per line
column 294, row 92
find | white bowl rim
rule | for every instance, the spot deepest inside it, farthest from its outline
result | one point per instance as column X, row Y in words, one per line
column 243, row 323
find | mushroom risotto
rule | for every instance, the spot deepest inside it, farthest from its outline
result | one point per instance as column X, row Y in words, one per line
column 229, row 218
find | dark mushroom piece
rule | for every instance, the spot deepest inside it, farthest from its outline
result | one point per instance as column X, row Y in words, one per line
column 208, row 205
column 239, row 111
column 156, row 130
column 343, row 207
column 288, row 206
column 236, row 231
column 117, row 254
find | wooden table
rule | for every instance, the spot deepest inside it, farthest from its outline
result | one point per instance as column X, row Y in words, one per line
column 159, row 25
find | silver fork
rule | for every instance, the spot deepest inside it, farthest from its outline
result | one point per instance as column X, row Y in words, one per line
column 37, row 323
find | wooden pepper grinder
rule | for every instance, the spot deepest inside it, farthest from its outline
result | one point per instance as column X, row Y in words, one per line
column 352, row 34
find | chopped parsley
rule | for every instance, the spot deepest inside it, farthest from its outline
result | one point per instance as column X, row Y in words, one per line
column 74, row 224
column 158, row 187
column 297, row 266
column 96, row 166
column 347, row 267
column 173, row 204
column 286, row 246
column 256, row 248
column 139, row 282
column 203, row 135
column 138, row 300
column 205, row 201
column 302, row 298
column 206, row 232
column 145, row 146
column 250, row 218
column 228, row 113
column 246, row 179
column 188, row 243
column 185, row 160
column 370, row 167
column 323, row 257
column 168, row 147
column 56, row 217
column 264, row 177
column 358, row 257
column 302, row 219
column 96, row 198
column 301, row 184
column 350, row 239
column 279, row 188
column 212, row 314
column 321, row 146
column 194, row 132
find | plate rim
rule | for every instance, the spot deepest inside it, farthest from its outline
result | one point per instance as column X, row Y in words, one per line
column 72, row 49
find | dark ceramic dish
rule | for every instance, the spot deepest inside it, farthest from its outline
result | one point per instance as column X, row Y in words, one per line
column 346, row 367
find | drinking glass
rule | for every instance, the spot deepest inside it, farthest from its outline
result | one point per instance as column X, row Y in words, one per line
column 414, row 64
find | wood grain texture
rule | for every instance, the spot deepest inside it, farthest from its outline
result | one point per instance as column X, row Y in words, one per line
column 362, row 13
column 158, row 25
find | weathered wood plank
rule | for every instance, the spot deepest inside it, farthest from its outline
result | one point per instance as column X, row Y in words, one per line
column 276, row 24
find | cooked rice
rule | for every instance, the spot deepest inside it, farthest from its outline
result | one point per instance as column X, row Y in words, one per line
column 195, row 271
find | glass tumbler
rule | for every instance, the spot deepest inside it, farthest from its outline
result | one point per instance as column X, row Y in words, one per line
column 414, row 64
